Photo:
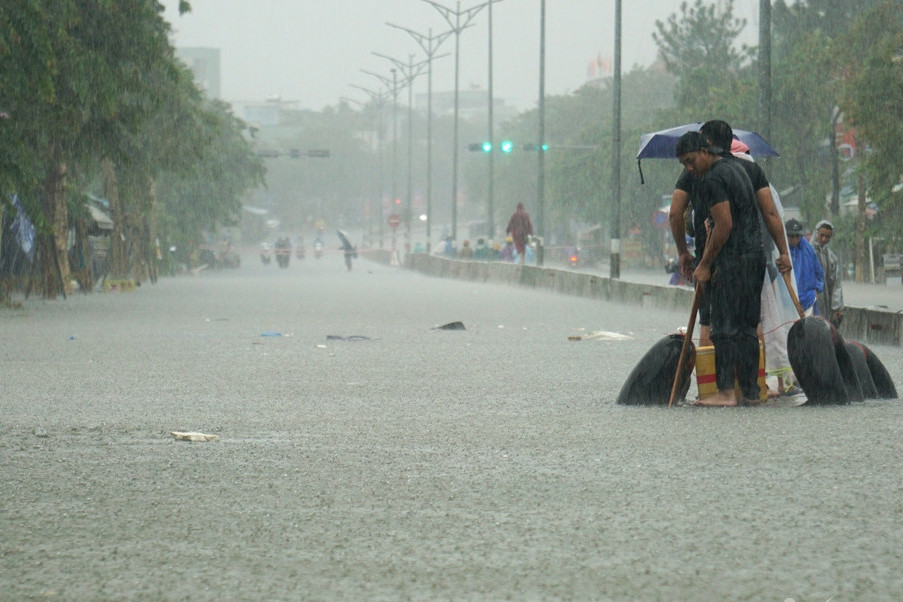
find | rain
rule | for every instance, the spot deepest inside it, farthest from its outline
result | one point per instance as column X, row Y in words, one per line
column 265, row 333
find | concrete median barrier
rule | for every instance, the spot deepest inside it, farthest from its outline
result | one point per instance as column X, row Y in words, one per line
column 877, row 325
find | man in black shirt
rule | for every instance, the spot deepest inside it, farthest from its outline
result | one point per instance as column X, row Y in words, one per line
column 720, row 136
column 732, row 267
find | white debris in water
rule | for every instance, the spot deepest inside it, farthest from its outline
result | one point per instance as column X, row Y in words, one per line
column 193, row 436
column 603, row 335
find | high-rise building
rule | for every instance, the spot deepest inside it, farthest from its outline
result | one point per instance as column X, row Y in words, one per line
column 205, row 64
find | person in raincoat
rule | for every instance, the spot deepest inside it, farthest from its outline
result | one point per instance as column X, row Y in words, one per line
column 520, row 227
column 829, row 303
column 810, row 278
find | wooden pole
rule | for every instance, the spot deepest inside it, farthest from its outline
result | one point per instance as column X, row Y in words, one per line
column 796, row 301
column 687, row 337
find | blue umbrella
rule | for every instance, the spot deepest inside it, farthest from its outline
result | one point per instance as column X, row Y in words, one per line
column 661, row 144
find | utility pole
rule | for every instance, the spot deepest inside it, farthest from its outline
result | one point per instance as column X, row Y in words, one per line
column 409, row 72
column 615, row 269
column 379, row 100
column 392, row 86
column 765, row 68
column 457, row 25
column 541, row 159
column 491, row 134
column 429, row 44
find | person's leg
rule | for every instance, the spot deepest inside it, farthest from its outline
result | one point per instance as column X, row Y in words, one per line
column 717, row 294
column 705, row 319
column 751, row 269
column 521, row 249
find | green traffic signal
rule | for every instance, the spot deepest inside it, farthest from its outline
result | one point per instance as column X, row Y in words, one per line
column 486, row 147
column 507, row 146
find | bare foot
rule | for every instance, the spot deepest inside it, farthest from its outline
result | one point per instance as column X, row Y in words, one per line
column 722, row 399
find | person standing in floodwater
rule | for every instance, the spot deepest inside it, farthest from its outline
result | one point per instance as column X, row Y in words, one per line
column 520, row 227
column 732, row 268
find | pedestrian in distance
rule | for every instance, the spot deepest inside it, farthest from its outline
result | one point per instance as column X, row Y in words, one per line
column 810, row 278
column 506, row 253
column 481, row 251
column 830, row 301
column 732, row 268
column 519, row 228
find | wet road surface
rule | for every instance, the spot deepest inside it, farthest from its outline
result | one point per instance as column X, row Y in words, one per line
column 490, row 463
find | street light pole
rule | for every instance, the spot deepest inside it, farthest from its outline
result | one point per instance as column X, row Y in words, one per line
column 409, row 71
column 615, row 269
column 765, row 68
column 392, row 87
column 429, row 44
column 491, row 128
column 457, row 26
column 379, row 100
column 541, row 160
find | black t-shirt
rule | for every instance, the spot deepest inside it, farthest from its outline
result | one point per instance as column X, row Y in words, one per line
column 691, row 185
column 753, row 170
column 728, row 181
column 759, row 181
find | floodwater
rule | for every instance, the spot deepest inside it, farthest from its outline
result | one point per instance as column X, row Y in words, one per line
column 489, row 463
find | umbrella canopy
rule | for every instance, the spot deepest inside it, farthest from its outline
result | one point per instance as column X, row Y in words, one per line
column 661, row 144
column 346, row 242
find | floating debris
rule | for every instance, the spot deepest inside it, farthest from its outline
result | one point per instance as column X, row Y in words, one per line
column 193, row 436
column 601, row 335
column 450, row 326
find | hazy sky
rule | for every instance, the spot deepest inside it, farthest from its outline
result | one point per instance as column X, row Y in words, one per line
column 311, row 50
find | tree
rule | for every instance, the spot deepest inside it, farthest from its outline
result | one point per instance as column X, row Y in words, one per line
column 870, row 98
column 702, row 36
column 80, row 69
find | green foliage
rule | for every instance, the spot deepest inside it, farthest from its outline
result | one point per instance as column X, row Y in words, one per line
column 97, row 79
column 871, row 89
column 702, row 36
column 208, row 175
column 804, row 99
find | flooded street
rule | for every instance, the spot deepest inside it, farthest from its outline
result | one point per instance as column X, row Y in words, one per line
column 410, row 463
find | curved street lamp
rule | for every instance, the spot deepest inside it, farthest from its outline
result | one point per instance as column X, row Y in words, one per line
column 409, row 71
column 457, row 25
column 429, row 44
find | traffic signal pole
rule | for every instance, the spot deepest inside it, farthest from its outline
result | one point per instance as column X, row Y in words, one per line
column 541, row 161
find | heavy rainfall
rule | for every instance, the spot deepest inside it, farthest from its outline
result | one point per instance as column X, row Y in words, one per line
column 271, row 348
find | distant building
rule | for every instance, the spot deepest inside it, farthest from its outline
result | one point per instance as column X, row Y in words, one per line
column 204, row 63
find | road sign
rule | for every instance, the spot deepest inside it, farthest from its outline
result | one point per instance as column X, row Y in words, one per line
column 394, row 221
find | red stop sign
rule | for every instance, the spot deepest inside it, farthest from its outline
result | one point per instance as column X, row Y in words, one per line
column 394, row 220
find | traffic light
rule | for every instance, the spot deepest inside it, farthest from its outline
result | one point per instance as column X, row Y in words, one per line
column 506, row 146
column 536, row 147
column 486, row 147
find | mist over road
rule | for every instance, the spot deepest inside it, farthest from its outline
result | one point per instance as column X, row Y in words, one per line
column 408, row 463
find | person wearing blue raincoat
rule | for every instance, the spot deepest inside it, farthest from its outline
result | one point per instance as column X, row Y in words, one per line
column 810, row 278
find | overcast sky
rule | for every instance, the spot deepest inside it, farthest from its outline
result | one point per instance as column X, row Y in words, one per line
column 312, row 50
